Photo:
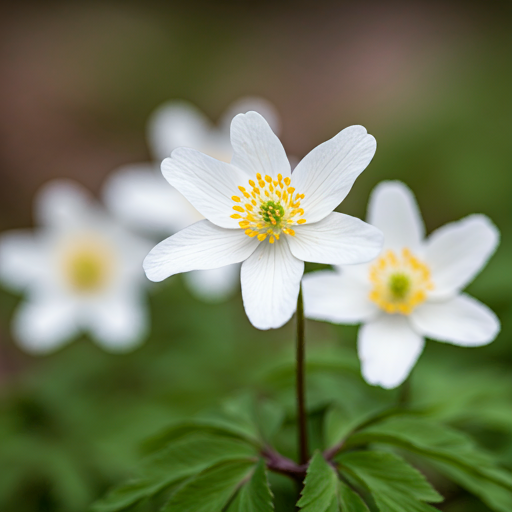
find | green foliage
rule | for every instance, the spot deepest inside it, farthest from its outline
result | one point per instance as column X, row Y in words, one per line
column 186, row 457
column 452, row 452
column 325, row 492
column 211, row 489
column 255, row 495
column 395, row 485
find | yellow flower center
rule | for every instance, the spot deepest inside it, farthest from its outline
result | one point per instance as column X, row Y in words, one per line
column 87, row 265
column 268, row 208
column 400, row 282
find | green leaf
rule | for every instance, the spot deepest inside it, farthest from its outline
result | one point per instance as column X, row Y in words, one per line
column 255, row 495
column 234, row 418
column 186, row 457
column 494, row 495
column 447, row 447
column 395, row 485
column 212, row 489
column 324, row 492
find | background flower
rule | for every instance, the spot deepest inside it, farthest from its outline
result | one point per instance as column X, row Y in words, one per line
column 80, row 271
column 139, row 195
column 411, row 291
column 260, row 213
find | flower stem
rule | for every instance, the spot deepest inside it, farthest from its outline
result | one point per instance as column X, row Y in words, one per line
column 301, row 398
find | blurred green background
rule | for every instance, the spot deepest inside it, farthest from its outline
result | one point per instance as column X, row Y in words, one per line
column 431, row 81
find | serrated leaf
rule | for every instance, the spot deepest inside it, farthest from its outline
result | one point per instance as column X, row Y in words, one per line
column 255, row 495
column 494, row 495
column 233, row 418
column 395, row 485
column 435, row 442
column 212, row 489
column 186, row 457
column 324, row 492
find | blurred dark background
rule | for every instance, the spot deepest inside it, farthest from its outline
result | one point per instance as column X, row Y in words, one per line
column 431, row 80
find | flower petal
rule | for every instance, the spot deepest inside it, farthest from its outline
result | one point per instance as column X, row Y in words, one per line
column 270, row 284
column 62, row 203
column 175, row 124
column 207, row 183
column 199, row 247
column 388, row 348
column 21, row 260
column 457, row 251
column 336, row 297
column 326, row 174
column 256, row 149
column 462, row 321
column 143, row 199
column 243, row 105
column 41, row 326
column 118, row 323
column 393, row 209
column 338, row 239
column 214, row 285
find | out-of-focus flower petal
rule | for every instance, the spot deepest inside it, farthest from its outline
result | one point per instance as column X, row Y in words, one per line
column 388, row 349
column 461, row 320
column 215, row 284
column 337, row 297
column 393, row 209
column 45, row 323
column 456, row 252
column 119, row 323
column 144, row 200
column 175, row 124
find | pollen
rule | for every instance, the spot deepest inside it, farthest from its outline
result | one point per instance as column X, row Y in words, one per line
column 400, row 282
column 274, row 208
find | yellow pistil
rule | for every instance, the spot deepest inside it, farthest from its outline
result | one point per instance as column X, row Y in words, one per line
column 273, row 209
column 400, row 282
column 87, row 265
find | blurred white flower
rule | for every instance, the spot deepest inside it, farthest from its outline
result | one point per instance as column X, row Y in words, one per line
column 260, row 213
column 139, row 195
column 80, row 270
column 411, row 290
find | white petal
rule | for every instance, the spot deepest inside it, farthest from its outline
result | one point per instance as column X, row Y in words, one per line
column 393, row 209
column 176, row 124
column 118, row 323
column 388, row 348
column 256, row 148
column 456, row 252
column 21, row 259
column 270, row 284
column 207, row 183
column 336, row 297
column 327, row 173
column 143, row 199
column 62, row 203
column 462, row 321
column 214, row 285
column 338, row 239
column 45, row 324
column 243, row 105
column 198, row 247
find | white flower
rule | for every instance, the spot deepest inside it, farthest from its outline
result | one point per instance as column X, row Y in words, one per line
column 260, row 213
column 139, row 195
column 80, row 270
column 411, row 291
